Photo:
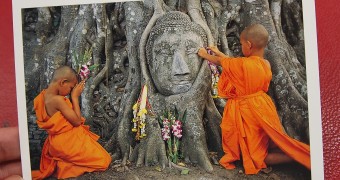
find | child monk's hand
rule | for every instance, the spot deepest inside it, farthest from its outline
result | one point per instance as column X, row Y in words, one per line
column 202, row 52
column 214, row 49
column 78, row 89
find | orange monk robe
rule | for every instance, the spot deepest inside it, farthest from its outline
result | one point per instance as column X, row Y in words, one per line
column 250, row 119
column 68, row 151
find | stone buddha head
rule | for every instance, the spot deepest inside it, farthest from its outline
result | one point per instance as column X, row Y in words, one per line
column 171, row 53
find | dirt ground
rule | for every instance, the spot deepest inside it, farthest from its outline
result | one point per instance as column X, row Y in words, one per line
column 291, row 171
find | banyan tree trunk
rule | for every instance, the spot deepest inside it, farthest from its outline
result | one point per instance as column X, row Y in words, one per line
column 117, row 34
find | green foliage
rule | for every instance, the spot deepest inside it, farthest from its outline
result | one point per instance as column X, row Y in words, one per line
column 93, row 67
column 185, row 171
column 83, row 59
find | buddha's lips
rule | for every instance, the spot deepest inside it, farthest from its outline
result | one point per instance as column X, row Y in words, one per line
column 181, row 82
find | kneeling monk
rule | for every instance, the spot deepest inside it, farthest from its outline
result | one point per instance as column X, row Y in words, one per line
column 70, row 148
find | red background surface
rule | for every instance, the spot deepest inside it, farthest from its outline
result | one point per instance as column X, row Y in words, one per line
column 328, row 24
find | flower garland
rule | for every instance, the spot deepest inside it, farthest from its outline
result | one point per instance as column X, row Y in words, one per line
column 139, row 114
column 215, row 74
column 172, row 132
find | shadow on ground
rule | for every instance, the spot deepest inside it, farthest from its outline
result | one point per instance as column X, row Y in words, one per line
column 291, row 171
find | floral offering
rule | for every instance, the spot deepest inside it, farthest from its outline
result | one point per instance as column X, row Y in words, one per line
column 171, row 128
column 215, row 74
column 139, row 114
column 83, row 64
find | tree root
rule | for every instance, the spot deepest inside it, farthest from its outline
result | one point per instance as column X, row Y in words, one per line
column 213, row 129
column 173, row 165
column 158, row 12
column 209, row 14
column 151, row 149
column 195, row 12
column 276, row 14
column 132, row 88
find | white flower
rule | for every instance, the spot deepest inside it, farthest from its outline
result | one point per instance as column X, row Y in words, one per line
column 166, row 133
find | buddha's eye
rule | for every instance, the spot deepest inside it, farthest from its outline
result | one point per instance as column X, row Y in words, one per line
column 192, row 51
column 191, row 48
column 163, row 50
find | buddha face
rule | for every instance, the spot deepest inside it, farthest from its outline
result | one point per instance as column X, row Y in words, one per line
column 175, row 64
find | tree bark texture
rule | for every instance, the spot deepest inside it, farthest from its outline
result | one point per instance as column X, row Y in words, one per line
column 118, row 33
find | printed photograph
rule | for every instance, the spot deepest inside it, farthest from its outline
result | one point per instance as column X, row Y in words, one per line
column 166, row 89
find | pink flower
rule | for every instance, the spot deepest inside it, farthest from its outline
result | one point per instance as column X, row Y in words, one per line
column 178, row 133
column 177, row 124
column 166, row 133
column 166, row 122
column 177, row 129
column 84, row 72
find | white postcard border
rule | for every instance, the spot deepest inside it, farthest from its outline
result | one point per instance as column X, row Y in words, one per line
column 311, row 53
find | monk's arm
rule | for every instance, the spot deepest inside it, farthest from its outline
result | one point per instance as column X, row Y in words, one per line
column 217, row 52
column 76, row 92
column 76, row 107
column 69, row 113
column 214, row 59
column 268, row 64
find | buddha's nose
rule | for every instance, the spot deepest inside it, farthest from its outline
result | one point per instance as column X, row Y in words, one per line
column 179, row 66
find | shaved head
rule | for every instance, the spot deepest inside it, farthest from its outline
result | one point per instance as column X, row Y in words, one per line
column 64, row 72
column 256, row 34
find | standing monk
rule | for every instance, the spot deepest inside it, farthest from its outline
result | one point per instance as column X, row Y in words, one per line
column 250, row 124
column 70, row 148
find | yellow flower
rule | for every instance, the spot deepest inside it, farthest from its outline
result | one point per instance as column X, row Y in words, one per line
column 134, row 130
column 134, row 120
column 135, row 106
column 141, row 112
column 141, row 125
column 144, row 111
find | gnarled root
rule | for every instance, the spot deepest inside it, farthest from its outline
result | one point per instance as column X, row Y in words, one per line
column 151, row 149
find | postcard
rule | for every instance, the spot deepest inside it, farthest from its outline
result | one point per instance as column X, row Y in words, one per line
column 120, row 89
